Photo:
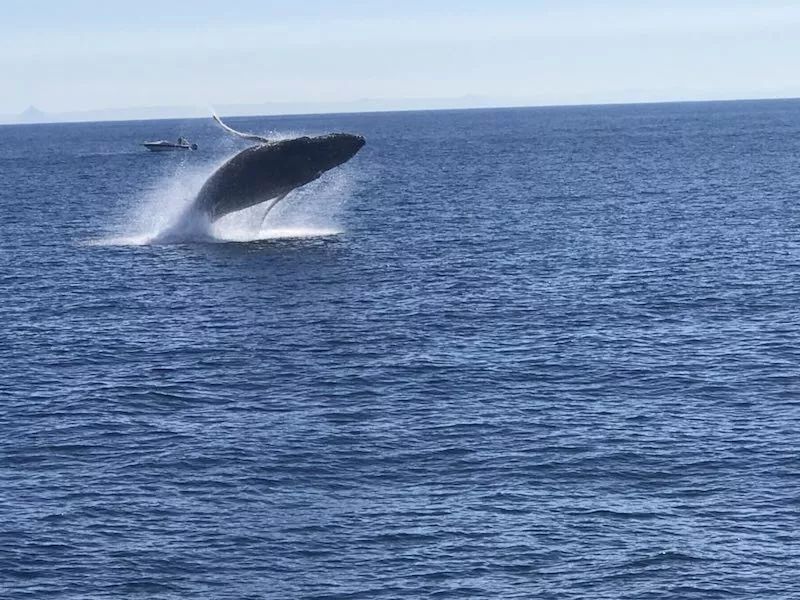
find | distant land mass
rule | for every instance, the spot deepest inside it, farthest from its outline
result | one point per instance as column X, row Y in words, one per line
column 32, row 114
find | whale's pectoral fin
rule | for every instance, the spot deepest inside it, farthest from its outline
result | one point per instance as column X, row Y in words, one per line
column 247, row 136
column 270, row 207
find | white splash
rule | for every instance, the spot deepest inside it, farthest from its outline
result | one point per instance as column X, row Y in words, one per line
column 163, row 214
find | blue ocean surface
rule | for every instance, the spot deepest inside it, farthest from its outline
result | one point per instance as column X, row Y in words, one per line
column 527, row 353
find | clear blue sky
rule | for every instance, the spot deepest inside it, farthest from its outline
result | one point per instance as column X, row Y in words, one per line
column 92, row 54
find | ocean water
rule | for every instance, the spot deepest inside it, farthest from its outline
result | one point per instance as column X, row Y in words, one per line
column 533, row 353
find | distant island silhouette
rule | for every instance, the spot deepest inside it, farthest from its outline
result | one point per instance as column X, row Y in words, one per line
column 32, row 115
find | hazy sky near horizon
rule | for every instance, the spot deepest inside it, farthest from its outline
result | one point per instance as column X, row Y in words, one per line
column 91, row 54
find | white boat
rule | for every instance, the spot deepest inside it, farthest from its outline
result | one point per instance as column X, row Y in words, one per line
column 165, row 146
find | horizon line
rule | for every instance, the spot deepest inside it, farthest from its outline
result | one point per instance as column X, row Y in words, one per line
column 227, row 114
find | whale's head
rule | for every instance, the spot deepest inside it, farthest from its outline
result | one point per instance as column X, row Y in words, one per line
column 328, row 151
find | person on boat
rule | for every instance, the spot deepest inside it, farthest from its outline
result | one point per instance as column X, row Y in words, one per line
column 182, row 141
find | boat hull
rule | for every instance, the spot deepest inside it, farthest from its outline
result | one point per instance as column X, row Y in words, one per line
column 167, row 147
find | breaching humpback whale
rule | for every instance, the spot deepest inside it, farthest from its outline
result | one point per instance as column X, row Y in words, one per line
column 271, row 169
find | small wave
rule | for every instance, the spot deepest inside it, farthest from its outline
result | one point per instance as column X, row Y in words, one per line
column 608, row 513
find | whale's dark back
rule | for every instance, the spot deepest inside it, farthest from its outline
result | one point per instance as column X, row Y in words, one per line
column 272, row 170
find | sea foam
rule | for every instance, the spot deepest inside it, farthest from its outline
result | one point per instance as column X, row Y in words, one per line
column 164, row 214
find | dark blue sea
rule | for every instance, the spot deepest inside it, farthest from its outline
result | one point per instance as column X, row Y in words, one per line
column 533, row 353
